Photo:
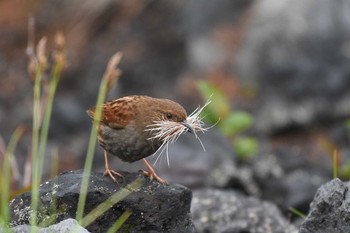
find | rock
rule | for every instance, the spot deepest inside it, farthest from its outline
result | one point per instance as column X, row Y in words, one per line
column 155, row 207
column 205, row 49
column 329, row 211
column 64, row 226
column 289, row 179
column 228, row 211
column 297, row 56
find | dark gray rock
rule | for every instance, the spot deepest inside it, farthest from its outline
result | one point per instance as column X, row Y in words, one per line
column 155, row 207
column 296, row 54
column 63, row 227
column 329, row 211
column 289, row 178
column 227, row 211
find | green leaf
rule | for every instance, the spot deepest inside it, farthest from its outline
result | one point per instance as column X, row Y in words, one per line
column 219, row 107
column 245, row 147
column 236, row 122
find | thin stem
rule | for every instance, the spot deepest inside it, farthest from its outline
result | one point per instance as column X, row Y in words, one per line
column 335, row 164
column 56, row 73
column 6, row 172
column 91, row 150
column 54, row 172
column 111, row 201
column 297, row 212
column 35, row 142
column 109, row 79
column 121, row 220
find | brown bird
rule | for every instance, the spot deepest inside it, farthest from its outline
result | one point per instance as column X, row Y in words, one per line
column 134, row 127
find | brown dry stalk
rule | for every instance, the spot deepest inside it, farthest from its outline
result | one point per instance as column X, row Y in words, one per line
column 112, row 72
column 59, row 54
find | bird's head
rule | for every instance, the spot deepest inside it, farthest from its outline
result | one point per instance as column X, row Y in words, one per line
column 171, row 120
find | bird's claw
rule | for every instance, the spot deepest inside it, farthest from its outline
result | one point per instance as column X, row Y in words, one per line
column 111, row 173
column 154, row 176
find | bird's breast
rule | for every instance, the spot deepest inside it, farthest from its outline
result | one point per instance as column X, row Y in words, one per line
column 127, row 143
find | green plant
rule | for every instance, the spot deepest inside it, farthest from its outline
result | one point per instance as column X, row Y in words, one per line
column 339, row 167
column 233, row 124
column 5, row 176
column 44, row 90
column 38, row 65
column 111, row 201
column 109, row 79
column 343, row 169
column 297, row 212
column 43, row 96
column 119, row 223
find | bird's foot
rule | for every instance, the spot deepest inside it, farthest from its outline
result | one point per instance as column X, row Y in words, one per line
column 154, row 176
column 111, row 173
column 151, row 173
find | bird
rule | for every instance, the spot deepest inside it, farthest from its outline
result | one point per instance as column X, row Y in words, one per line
column 135, row 127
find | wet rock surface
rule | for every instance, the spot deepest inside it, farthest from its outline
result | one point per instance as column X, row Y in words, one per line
column 155, row 207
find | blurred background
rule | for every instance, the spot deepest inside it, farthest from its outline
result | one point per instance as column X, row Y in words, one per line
column 283, row 65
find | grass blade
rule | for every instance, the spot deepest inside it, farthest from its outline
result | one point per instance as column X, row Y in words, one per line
column 335, row 164
column 108, row 80
column 297, row 212
column 6, row 180
column 119, row 223
column 111, row 201
column 35, row 144
column 90, row 152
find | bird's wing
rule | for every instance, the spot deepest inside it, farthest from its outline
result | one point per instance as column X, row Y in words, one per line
column 116, row 114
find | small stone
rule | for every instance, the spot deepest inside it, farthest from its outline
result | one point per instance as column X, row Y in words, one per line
column 68, row 225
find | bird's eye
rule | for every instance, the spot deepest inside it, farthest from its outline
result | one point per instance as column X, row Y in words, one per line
column 169, row 116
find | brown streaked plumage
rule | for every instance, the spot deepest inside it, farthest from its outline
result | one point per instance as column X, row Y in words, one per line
column 123, row 128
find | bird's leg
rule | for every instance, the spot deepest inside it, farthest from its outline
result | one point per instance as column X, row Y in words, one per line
column 109, row 171
column 151, row 173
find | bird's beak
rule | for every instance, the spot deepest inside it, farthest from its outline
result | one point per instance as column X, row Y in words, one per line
column 189, row 127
